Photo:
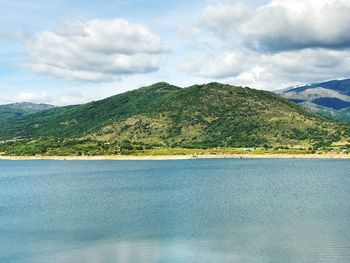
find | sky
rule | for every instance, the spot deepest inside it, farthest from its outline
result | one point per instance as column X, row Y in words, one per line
column 65, row 52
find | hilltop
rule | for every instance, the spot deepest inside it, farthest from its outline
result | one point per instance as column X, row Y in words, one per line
column 164, row 115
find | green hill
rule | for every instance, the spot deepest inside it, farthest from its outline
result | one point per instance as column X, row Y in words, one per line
column 163, row 115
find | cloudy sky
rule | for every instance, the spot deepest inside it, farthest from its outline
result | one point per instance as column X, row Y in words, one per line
column 73, row 51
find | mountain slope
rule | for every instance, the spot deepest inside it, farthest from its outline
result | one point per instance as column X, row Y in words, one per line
column 200, row 116
column 331, row 98
column 81, row 120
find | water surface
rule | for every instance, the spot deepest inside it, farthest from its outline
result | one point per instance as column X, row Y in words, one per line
column 175, row 211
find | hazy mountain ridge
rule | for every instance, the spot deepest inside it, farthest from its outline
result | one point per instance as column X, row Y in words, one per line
column 330, row 98
column 18, row 110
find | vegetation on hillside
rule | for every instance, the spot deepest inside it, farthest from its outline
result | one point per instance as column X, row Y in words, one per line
column 165, row 116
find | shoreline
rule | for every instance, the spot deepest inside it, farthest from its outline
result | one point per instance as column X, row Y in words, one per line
column 177, row 157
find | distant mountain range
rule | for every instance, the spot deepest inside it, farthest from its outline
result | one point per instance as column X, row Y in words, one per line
column 331, row 98
column 19, row 110
column 164, row 115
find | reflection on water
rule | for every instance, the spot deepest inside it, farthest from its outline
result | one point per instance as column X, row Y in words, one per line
column 175, row 211
column 191, row 251
column 146, row 251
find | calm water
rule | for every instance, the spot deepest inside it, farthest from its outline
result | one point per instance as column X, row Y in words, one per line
column 175, row 211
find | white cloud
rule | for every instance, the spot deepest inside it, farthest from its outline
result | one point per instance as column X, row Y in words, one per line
column 284, row 42
column 68, row 98
column 74, row 98
column 36, row 97
column 272, row 71
column 284, row 24
column 295, row 67
column 224, row 17
column 95, row 50
column 215, row 66
column 309, row 64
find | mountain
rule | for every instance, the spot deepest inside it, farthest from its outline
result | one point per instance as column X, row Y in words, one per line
column 331, row 98
column 199, row 116
column 19, row 110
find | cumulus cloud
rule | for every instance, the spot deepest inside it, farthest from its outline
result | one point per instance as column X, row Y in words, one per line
column 303, row 66
column 272, row 71
column 308, row 64
column 36, row 97
column 224, row 17
column 284, row 42
column 68, row 98
column 284, row 24
column 219, row 66
column 95, row 50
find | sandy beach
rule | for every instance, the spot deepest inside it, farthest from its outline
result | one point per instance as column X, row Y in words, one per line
column 182, row 157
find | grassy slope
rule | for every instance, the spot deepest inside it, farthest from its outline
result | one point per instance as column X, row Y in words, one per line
column 80, row 120
column 222, row 115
